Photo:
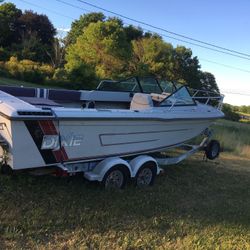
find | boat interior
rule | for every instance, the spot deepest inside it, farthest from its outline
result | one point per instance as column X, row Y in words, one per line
column 134, row 93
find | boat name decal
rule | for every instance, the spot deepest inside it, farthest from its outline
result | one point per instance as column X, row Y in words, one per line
column 55, row 142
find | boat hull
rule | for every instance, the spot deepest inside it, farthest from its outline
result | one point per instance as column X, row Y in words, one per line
column 35, row 143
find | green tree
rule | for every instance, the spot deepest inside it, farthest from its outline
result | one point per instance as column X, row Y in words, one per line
column 151, row 56
column 186, row 68
column 37, row 25
column 27, row 35
column 79, row 25
column 208, row 82
column 229, row 113
column 244, row 109
column 37, row 37
column 104, row 47
column 133, row 33
column 4, row 54
column 9, row 24
column 82, row 76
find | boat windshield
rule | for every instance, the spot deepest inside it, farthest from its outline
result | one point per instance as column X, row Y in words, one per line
column 128, row 85
column 167, row 87
column 181, row 97
column 150, row 85
column 133, row 84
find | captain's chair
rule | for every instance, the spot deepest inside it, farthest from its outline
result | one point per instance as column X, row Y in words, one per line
column 141, row 101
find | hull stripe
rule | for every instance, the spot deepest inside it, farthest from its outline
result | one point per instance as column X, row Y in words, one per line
column 50, row 129
column 38, row 129
column 37, row 134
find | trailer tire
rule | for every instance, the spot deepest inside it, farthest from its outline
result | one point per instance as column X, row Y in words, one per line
column 116, row 177
column 146, row 175
column 212, row 150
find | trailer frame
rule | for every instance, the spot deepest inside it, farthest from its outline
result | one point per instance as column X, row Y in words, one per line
column 130, row 167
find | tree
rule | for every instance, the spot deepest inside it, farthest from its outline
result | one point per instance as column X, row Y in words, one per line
column 27, row 35
column 37, row 25
column 79, row 25
column 29, row 48
column 4, row 54
column 244, row 109
column 57, row 55
column 104, row 47
column 9, row 16
column 151, row 56
column 133, row 33
column 229, row 113
column 186, row 68
column 37, row 37
column 83, row 76
column 208, row 82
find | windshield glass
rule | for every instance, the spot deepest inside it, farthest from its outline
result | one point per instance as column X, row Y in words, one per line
column 179, row 98
column 167, row 87
column 150, row 85
column 128, row 85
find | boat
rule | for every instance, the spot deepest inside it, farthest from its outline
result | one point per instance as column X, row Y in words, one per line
column 46, row 127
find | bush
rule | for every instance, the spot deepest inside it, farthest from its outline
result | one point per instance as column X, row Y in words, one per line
column 82, row 76
column 27, row 70
column 59, row 78
column 229, row 113
column 60, row 75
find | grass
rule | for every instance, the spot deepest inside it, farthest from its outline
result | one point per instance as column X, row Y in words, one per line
column 8, row 81
column 195, row 205
column 233, row 136
column 245, row 121
column 13, row 82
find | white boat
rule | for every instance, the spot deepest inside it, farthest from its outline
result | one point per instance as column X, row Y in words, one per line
column 46, row 127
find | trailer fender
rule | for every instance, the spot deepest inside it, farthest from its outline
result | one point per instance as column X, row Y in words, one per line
column 138, row 161
column 104, row 166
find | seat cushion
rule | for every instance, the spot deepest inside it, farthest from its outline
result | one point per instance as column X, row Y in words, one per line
column 141, row 101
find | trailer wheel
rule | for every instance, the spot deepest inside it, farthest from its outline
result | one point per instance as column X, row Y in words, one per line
column 116, row 177
column 212, row 150
column 146, row 175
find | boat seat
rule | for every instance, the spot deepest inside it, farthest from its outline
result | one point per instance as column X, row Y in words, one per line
column 159, row 97
column 64, row 95
column 141, row 101
column 19, row 91
column 40, row 101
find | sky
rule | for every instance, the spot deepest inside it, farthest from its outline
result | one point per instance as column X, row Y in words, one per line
column 220, row 22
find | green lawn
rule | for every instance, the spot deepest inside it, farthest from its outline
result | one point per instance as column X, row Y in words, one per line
column 195, row 205
column 12, row 82
column 234, row 137
column 8, row 81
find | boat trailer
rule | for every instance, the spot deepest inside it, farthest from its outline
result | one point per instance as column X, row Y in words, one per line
column 114, row 172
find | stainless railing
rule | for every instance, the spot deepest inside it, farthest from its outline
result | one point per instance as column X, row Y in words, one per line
column 206, row 97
